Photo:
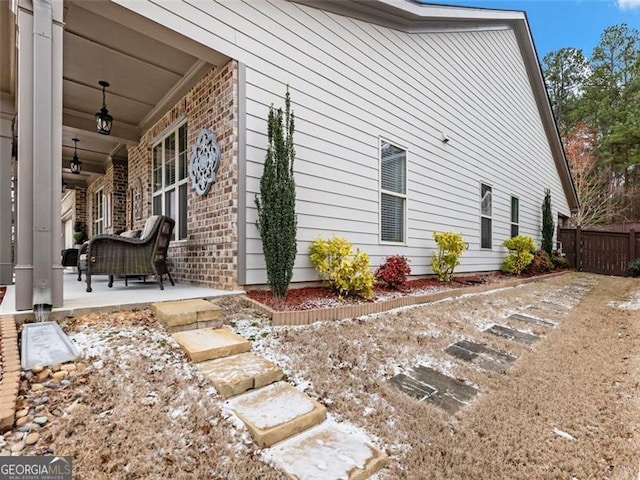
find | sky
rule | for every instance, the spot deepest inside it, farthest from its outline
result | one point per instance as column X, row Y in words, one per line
column 566, row 23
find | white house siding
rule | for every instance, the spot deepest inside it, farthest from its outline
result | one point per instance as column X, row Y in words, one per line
column 351, row 83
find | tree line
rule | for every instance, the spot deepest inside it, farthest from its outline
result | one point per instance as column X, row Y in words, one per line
column 596, row 102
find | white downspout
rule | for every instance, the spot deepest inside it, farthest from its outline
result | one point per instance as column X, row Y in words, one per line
column 43, row 160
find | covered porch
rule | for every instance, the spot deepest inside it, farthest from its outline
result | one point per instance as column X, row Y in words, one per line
column 59, row 55
column 136, row 295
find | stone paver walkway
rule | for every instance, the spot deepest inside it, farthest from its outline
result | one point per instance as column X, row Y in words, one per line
column 426, row 384
column 276, row 414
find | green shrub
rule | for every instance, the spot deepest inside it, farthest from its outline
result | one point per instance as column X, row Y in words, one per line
column 521, row 248
column 276, row 203
column 634, row 267
column 547, row 223
column 560, row 262
column 344, row 272
column 451, row 246
column 541, row 263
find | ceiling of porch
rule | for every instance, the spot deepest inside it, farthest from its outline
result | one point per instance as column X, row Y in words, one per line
column 149, row 68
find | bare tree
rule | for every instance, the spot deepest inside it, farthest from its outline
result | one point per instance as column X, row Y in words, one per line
column 600, row 191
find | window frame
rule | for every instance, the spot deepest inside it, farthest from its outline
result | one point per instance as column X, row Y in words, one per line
column 382, row 191
column 515, row 224
column 98, row 212
column 486, row 217
column 180, row 210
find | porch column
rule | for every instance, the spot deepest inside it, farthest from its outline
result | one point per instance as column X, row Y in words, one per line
column 38, row 271
column 6, row 262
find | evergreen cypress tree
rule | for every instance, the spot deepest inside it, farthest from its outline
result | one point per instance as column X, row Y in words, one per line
column 547, row 223
column 276, row 202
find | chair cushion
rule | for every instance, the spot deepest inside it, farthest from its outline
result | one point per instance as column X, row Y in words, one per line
column 149, row 226
column 131, row 233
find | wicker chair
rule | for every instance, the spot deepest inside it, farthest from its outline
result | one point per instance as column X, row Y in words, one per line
column 115, row 255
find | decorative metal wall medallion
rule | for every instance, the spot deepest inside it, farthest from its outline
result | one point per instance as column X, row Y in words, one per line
column 204, row 162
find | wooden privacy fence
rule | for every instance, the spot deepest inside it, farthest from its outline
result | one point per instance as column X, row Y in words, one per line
column 598, row 251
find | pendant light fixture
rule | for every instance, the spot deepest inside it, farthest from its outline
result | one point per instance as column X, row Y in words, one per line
column 103, row 119
column 75, row 165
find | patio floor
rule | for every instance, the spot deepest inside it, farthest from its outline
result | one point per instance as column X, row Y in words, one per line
column 137, row 295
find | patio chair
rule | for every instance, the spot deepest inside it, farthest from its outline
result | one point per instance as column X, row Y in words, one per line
column 115, row 255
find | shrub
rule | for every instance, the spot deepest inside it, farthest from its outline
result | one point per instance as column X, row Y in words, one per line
column 547, row 223
column 394, row 271
column 276, row 203
column 451, row 246
column 521, row 248
column 344, row 272
column 634, row 267
column 541, row 263
column 560, row 262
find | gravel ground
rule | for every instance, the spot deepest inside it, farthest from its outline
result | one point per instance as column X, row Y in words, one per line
column 567, row 408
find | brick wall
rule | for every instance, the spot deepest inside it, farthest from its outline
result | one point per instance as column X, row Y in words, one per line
column 81, row 205
column 113, row 183
column 208, row 256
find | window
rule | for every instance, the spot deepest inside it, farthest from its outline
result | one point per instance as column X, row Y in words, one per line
column 485, row 216
column 515, row 216
column 98, row 212
column 393, row 192
column 170, row 179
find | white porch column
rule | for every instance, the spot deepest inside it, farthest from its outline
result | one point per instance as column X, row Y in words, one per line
column 38, row 270
column 6, row 262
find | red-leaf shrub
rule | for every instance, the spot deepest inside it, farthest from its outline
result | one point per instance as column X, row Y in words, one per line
column 541, row 263
column 394, row 271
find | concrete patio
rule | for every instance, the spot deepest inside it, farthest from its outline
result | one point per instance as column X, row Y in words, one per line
column 137, row 294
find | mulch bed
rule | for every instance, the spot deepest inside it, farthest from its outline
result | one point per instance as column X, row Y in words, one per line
column 316, row 297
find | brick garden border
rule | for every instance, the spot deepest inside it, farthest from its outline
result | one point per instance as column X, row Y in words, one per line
column 306, row 317
column 10, row 372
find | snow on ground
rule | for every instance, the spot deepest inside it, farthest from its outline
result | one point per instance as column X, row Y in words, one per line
column 633, row 303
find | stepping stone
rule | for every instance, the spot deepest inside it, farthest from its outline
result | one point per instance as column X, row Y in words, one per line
column 210, row 343
column 481, row 355
column 554, row 305
column 512, row 334
column 328, row 451
column 427, row 384
column 412, row 387
column 549, row 311
column 531, row 320
column 184, row 315
column 239, row 373
column 276, row 412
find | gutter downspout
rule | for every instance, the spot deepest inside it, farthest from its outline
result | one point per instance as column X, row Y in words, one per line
column 42, row 154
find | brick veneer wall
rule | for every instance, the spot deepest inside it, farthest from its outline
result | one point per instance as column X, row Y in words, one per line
column 81, row 205
column 209, row 254
column 114, row 182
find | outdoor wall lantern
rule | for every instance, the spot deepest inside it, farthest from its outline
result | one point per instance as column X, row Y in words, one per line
column 75, row 165
column 103, row 119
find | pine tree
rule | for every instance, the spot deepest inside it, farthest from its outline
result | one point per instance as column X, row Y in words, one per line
column 547, row 223
column 277, row 222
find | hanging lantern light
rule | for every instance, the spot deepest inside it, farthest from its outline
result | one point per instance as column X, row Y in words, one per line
column 103, row 119
column 75, row 165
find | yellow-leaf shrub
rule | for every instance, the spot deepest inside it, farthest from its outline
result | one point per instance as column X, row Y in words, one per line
column 451, row 246
column 344, row 272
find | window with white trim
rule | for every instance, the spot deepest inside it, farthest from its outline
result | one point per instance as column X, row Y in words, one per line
column 515, row 216
column 170, row 179
column 393, row 192
column 98, row 212
column 486, row 209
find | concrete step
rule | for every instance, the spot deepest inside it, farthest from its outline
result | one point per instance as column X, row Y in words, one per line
column 239, row 373
column 210, row 343
column 184, row 315
column 328, row 451
column 276, row 412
